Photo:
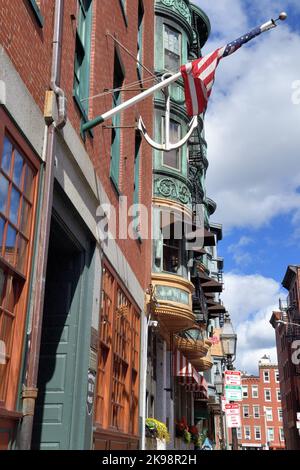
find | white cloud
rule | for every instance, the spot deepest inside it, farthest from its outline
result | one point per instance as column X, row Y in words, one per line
column 240, row 256
column 250, row 300
column 252, row 126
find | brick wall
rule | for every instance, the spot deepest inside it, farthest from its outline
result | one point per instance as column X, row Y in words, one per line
column 30, row 49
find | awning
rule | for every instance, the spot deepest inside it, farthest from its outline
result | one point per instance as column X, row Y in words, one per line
column 200, row 391
column 184, row 370
column 198, row 388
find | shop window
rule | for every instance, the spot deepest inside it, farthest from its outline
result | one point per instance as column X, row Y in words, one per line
column 118, row 366
column 172, row 49
column 17, row 193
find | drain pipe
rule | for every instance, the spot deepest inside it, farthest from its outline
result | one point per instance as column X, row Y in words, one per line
column 55, row 94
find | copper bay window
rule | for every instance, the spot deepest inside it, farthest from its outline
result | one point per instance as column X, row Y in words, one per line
column 18, row 173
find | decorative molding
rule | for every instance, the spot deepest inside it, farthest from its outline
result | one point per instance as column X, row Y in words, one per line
column 180, row 7
column 171, row 188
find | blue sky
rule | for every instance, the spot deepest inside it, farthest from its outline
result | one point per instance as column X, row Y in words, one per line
column 253, row 134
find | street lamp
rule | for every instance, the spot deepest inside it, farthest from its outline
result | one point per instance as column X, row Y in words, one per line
column 229, row 340
column 218, row 381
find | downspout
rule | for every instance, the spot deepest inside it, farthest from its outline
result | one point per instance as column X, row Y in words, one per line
column 30, row 391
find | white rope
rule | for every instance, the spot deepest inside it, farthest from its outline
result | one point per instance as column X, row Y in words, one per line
column 114, row 90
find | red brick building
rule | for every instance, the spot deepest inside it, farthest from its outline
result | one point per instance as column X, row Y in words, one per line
column 286, row 323
column 261, row 411
column 72, row 326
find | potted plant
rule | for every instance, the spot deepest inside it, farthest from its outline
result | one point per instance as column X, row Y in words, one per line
column 157, row 430
column 181, row 427
column 187, row 436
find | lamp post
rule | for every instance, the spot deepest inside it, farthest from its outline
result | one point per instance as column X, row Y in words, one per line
column 219, row 389
column 229, row 340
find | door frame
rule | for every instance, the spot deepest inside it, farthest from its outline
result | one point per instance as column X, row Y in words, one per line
column 72, row 224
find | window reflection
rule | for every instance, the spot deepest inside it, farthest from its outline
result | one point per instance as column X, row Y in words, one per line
column 3, row 193
column 18, row 167
column 28, row 185
column 172, row 46
column 14, row 206
column 16, row 195
column 6, row 156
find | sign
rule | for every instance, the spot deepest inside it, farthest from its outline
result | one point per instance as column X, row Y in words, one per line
column 233, row 415
column 90, row 391
column 233, row 393
column 224, row 402
column 233, row 377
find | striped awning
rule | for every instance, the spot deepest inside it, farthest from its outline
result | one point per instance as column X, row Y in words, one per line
column 184, row 370
column 200, row 391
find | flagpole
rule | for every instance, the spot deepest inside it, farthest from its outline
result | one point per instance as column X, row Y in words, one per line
column 163, row 84
column 132, row 101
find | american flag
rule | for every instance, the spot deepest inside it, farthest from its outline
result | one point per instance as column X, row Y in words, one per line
column 199, row 75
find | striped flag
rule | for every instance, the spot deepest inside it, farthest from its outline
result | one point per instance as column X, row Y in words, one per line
column 199, row 75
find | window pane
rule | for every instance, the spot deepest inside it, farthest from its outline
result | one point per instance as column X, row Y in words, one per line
column 10, row 298
column 28, row 185
column 14, row 206
column 10, row 244
column 21, row 254
column 172, row 49
column 25, row 218
column 3, row 193
column 6, row 155
column 18, row 166
column 6, row 330
column 172, row 158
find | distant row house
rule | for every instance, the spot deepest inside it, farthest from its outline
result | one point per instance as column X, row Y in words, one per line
column 261, row 410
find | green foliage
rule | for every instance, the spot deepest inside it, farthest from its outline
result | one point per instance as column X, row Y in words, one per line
column 187, row 437
column 157, row 429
